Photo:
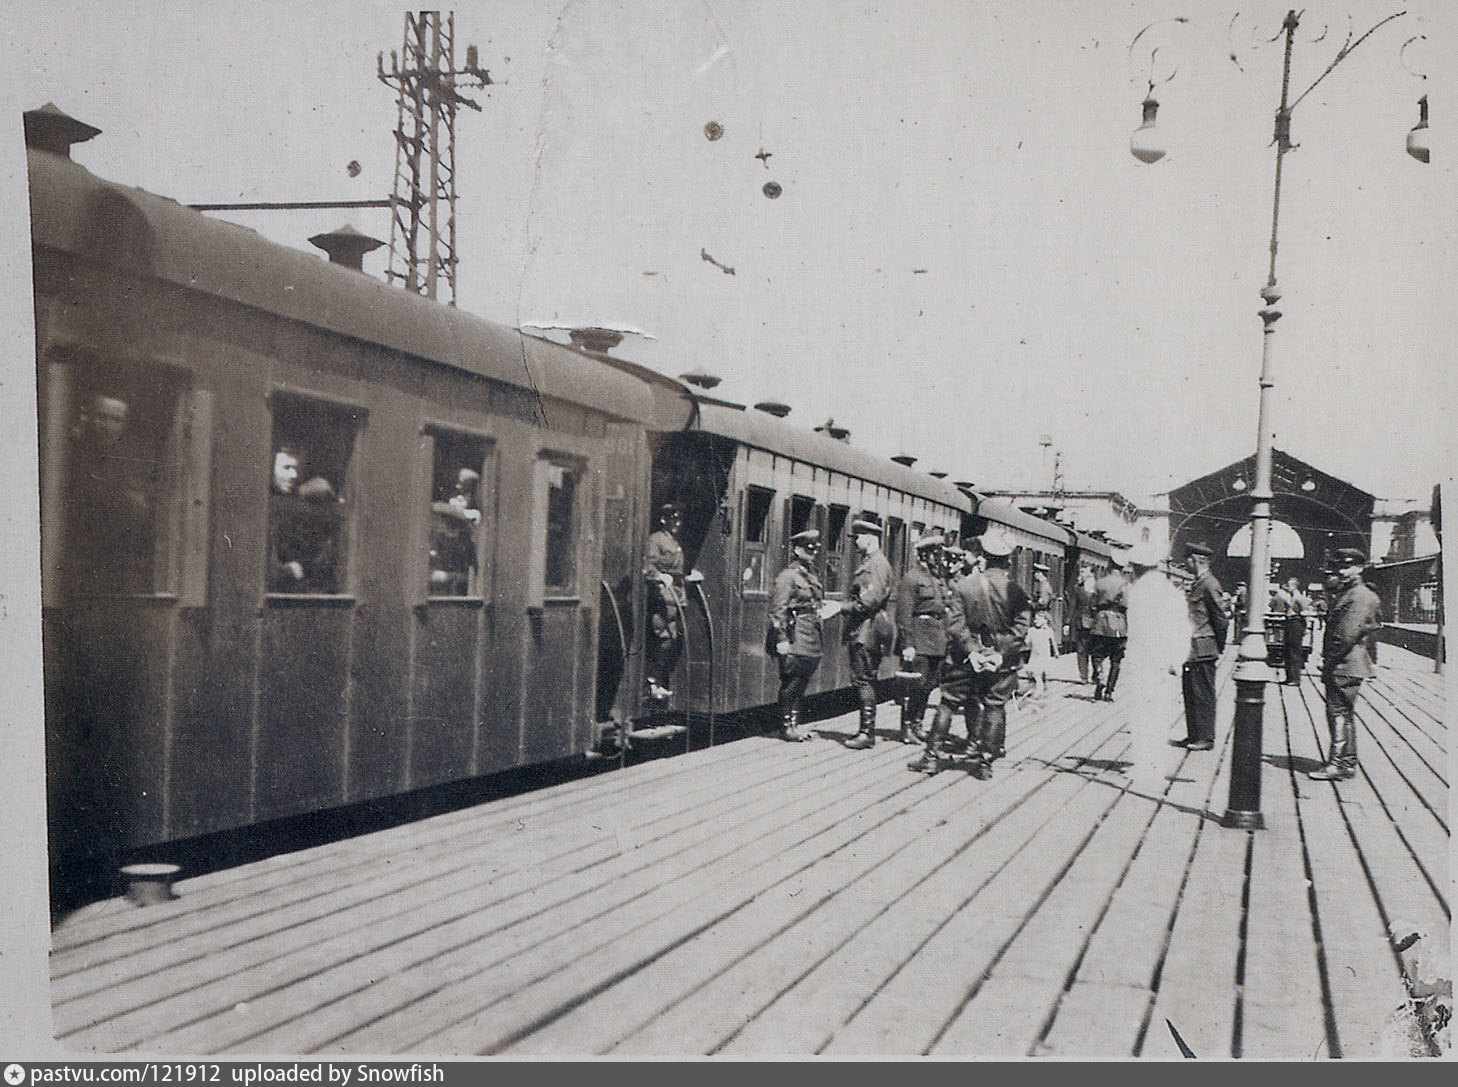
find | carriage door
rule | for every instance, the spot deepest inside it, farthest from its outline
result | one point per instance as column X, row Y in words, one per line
column 563, row 575
column 454, row 597
column 618, row 637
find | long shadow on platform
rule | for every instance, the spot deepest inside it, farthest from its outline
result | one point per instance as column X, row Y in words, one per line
column 1090, row 769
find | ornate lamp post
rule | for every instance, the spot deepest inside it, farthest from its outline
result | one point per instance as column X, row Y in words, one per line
column 1243, row 810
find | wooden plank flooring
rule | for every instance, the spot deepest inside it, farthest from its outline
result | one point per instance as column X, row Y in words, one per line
column 767, row 899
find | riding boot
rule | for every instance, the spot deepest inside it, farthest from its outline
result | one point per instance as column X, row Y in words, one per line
column 930, row 761
column 1340, row 762
column 990, row 744
column 1113, row 679
column 866, row 737
column 911, row 727
column 793, row 732
column 1348, row 761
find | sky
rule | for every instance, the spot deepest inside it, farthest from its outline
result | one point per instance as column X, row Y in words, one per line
column 965, row 258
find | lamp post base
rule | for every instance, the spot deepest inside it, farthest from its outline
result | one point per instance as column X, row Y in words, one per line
column 1243, row 812
column 1243, row 820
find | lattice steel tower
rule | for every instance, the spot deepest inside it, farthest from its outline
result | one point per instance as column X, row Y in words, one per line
column 423, row 207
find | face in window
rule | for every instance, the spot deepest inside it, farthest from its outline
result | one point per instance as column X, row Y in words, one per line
column 286, row 471
column 108, row 417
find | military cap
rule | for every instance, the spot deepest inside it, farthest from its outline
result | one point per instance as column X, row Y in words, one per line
column 1199, row 548
column 809, row 538
column 668, row 509
column 1343, row 557
column 861, row 526
column 1040, row 566
column 929, row 539
column 996, row 544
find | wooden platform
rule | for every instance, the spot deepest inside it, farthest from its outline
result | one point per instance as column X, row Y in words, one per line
column 762, row 898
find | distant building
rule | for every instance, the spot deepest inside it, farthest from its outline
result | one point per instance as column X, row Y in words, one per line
column 1402, row 529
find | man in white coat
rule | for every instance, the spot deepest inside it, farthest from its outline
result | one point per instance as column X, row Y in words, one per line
column 1159, row 639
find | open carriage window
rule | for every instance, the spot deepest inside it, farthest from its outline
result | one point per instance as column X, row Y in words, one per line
column 460, row 516
column 757, row 502
column 308, row 530
column 123, row 499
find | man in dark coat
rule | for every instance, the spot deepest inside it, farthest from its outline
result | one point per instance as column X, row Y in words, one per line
column 1082, row 620
column 797, row 609
column 304, row 528
column 868, row 629
column 1208, row 622
column 1353, row 618
column 663, row 570
column 921, row 625
column 1110, row 631
column 987, row 636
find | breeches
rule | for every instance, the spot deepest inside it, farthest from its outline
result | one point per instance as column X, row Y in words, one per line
column 919, row 690
column 961, row 685
column 1341, row 697
column 795, row 673
column 1198, row 682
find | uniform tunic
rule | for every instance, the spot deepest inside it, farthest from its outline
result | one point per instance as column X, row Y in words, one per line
column 664, row 566
column 872, row 585
column 921, row 622
column 794, row 614
column 1205, row 606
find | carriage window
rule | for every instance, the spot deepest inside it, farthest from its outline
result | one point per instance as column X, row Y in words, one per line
column 123, row 520
column 835, row 549
column 802, row 516
column 458, row 516
column 308, row 542
column 757, row 501
column 896, row 544
column 561, row 553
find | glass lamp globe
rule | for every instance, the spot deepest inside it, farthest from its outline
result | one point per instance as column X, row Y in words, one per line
column 1417, row 139
column 1147, row 144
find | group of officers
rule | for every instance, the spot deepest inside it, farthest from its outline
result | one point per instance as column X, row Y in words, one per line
column 959, row 621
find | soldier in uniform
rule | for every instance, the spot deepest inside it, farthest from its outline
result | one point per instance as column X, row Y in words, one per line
column 921, row 624
column 868, row 630
column 1353, row 617
column 666, row 600
column 1110, row 631
column 987, row 634
column 1042, row 588
column 1208, row 621
column 796, row 611
column 1081, row 623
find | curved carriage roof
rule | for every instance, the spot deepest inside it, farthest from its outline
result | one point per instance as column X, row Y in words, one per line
column 76, row 212
column 763, row 431
column 1092, row 544
column 1004, row 513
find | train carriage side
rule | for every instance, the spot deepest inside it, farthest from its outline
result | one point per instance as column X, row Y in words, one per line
column 307, row 540
column 748, row 482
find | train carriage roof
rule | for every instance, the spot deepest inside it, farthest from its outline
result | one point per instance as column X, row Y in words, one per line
column 74, row 211
column 1004, row 513
column 763, row 431
column 1092, row 545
